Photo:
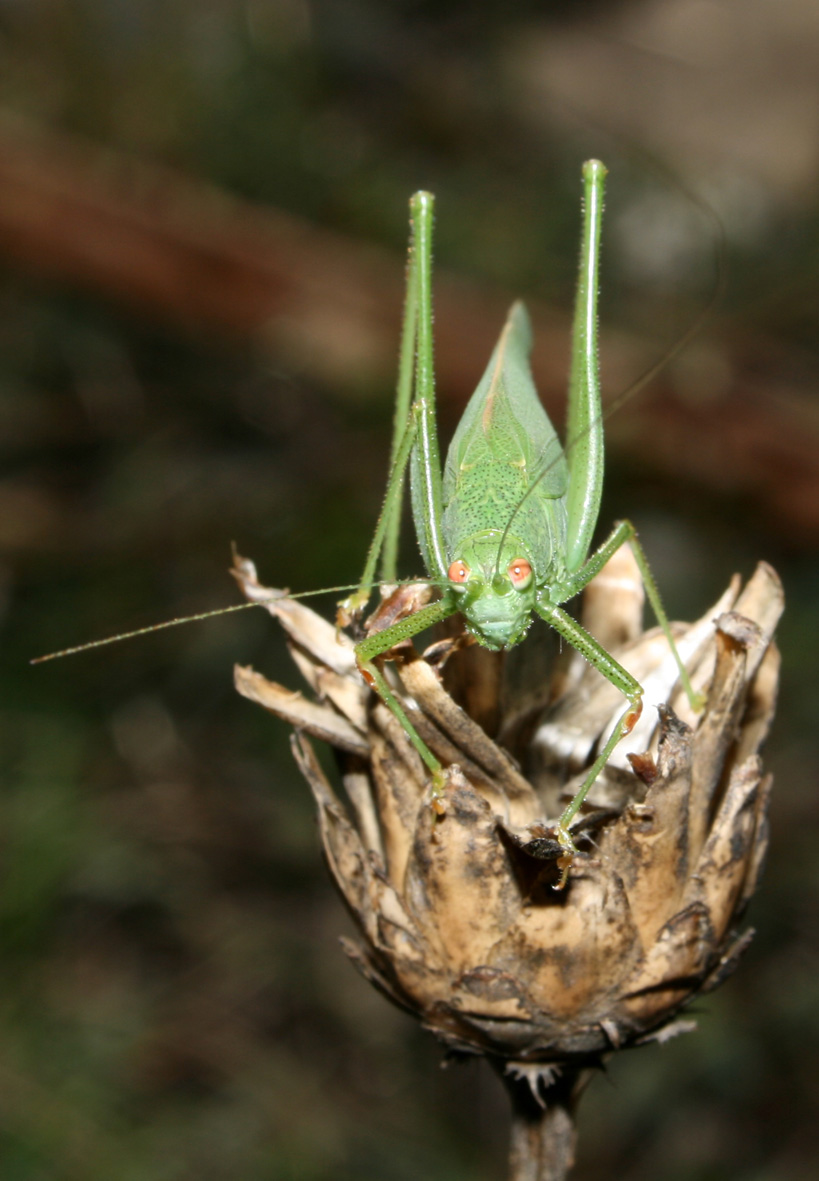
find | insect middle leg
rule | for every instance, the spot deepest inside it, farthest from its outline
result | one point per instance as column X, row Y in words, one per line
column 631, row 689
column 622, row 532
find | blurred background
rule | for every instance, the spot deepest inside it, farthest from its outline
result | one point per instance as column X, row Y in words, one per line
column 202, row 224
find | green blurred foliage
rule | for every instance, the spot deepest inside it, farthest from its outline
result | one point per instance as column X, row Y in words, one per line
column 174, row 1002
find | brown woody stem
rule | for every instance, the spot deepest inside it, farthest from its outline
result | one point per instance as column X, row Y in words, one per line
column 543, row 1132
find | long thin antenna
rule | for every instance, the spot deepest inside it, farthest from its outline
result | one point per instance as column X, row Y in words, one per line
column 157, row 627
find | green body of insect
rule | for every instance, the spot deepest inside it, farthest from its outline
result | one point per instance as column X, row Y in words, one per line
column 505, row 530
column 504, row 548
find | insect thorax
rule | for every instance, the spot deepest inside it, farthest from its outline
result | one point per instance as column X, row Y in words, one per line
column 490, row 500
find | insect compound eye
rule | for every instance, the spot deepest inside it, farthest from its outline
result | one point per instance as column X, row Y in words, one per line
column 458, row 571
column 520, row 573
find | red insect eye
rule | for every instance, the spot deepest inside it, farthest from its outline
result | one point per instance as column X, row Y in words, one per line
column 520, row 573
column 458, row 571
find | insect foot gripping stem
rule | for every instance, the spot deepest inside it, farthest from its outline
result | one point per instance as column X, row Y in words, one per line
column 458, row 918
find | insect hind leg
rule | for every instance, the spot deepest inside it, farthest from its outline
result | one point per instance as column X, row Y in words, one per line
column 631, row 689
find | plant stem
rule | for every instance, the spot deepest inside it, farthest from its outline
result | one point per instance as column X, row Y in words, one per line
column 543, row 1135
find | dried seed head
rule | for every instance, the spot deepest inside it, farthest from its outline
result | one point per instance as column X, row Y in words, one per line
column 459, row 920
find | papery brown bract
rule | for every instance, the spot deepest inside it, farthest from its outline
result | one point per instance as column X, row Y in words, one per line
column 458, row 914
column 459, row 920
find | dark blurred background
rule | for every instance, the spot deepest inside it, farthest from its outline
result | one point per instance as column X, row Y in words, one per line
column 202, row 225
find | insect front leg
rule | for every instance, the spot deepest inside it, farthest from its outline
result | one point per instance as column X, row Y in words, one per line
column 367, row 653
column 631, row 689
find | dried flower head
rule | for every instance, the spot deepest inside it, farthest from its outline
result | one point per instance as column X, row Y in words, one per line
column 459, row 919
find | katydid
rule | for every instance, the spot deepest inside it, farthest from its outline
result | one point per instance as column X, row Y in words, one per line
column 505, row 530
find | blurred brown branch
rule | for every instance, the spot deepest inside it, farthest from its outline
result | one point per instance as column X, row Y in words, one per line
column 181, row 250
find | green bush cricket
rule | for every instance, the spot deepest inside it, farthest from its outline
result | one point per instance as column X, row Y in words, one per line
column 505, row 530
